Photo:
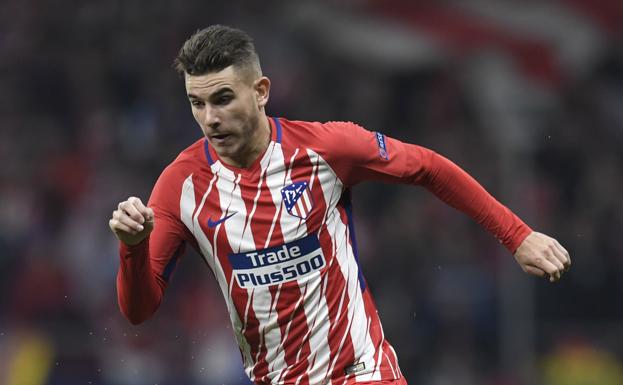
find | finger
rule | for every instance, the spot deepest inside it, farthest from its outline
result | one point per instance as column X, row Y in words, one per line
column 560, row 256
column 540, row 273
column 139, row 206
column 150, row 214
column 548, row 267
column 534, row 271
column 131, row 223
column 132, row 211
column 561, row 247
column 118, row 227
column 552, row 256
column 565, row 253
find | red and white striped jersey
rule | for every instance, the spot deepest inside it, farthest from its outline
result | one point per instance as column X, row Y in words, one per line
column 279, row 238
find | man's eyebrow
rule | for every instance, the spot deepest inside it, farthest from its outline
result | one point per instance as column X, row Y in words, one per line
column 221, row 92
column 215, row 94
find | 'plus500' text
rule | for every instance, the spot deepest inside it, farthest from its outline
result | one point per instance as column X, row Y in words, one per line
column 275, row 265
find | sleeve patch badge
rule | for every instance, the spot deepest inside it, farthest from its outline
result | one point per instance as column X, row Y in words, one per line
column 380, row 142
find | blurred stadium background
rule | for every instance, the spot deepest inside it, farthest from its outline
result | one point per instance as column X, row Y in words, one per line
column 525, row 95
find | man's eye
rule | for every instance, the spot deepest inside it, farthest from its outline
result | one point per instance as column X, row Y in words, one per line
column 223, row 100
column 196, row 103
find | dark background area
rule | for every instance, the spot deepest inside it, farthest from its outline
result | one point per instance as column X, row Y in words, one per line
column 527, row 96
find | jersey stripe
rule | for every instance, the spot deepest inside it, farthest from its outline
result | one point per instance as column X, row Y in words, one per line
column 289, row 309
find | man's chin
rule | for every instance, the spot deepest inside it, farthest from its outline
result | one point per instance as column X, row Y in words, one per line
column 228, row 150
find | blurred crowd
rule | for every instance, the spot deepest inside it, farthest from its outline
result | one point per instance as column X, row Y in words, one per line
column 91, row 111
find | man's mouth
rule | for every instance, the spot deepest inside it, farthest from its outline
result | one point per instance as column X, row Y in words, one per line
column 219, row 138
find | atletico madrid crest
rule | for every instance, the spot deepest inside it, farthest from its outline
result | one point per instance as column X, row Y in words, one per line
column 298, row 199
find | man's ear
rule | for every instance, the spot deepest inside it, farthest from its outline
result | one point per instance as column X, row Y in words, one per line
column 262, row 91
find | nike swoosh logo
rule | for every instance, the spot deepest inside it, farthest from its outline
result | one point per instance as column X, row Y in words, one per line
column 212, row 223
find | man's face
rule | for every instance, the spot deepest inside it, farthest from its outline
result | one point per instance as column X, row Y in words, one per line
column 227, row 105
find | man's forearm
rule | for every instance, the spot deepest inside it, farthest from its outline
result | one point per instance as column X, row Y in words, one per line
column 458, row 189
column 139, row 291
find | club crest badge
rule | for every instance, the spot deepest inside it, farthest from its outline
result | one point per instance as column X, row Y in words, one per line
column 298, row 199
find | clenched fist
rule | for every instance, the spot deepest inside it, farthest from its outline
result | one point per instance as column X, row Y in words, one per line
column 543, row 256
column 132, row 221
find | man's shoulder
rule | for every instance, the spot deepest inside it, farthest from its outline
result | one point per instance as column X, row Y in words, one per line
column 316, row 132
column 314, row 125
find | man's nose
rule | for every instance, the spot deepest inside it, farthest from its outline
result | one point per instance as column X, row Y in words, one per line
column 211, row 118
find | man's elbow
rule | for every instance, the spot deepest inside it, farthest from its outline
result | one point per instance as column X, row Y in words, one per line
column 139, row 302
column 136, row 320
column 133, row 318
column 135, row 314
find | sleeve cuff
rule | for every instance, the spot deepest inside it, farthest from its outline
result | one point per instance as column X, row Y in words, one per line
column 518, row 238
column 128, row 251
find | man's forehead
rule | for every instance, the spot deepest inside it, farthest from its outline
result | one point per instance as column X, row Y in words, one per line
column 212, row 81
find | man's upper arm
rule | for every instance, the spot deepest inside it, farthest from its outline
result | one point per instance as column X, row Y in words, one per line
column 356, row 154
column 167, row 240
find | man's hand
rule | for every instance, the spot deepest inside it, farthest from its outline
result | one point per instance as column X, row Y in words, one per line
column 543, row 256
column 132, row 221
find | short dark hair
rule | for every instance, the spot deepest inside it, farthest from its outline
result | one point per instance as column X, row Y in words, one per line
column 215, row 48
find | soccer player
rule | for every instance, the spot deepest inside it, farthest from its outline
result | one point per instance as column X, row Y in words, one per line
column 266, row 202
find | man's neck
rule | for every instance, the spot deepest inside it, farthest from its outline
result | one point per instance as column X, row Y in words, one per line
column 256, row 146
